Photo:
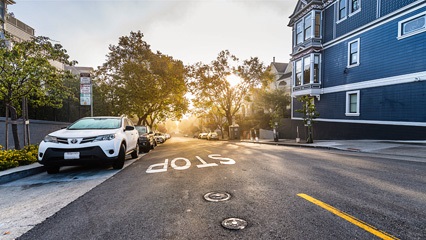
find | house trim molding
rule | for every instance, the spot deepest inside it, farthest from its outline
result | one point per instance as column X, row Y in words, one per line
column 396, row 123
column 401, row 79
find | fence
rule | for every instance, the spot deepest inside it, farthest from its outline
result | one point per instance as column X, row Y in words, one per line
column 38, row 130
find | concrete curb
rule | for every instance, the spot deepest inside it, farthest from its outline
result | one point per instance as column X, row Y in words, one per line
column 20, row 172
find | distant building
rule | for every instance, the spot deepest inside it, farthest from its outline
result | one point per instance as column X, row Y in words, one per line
column 282, row 73
column 363, row 62
column 18, row 30
column 78, row 70
column 3, row 13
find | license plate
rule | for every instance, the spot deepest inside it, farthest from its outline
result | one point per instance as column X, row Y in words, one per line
column 71, row 155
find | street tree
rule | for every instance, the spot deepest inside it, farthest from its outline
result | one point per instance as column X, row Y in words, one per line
column 210, row 85
column 309, row 114
column 275, row 103
column 137, row 81
column 26, row 72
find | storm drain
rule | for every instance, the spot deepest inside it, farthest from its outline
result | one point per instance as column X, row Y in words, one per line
column 234, row 223
column 217, row 196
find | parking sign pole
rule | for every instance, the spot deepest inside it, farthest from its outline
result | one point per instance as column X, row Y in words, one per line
column 86, row 93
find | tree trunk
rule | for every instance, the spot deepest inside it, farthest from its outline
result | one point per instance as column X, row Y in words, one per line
column 14, row 117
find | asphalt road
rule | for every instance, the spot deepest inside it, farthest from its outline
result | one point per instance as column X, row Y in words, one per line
column 281, row 192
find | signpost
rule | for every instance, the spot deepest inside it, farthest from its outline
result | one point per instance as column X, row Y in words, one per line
column 86, row 96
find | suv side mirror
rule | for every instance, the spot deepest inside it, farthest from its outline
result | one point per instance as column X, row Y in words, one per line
column 129, row 128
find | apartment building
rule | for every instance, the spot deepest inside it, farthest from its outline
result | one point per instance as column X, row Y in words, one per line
column 363, row 63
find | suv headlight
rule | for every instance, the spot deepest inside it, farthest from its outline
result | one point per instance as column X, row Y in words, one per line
column 105, row 137
column 51, row 139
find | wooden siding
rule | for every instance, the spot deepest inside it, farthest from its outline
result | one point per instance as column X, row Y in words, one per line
column 387, row 6
column 381, row 55
column 328, row 24
column 357, row 20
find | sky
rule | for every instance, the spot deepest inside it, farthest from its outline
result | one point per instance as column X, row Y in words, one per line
column 189, row 30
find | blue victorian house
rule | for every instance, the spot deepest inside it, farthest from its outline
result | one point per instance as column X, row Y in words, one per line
column 363, row 62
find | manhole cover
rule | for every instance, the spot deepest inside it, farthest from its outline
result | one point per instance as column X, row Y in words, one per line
column 234, row 223
column 217, row 196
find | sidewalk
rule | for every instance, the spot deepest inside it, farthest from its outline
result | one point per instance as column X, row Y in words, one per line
column 413, row 149
column 410, row 149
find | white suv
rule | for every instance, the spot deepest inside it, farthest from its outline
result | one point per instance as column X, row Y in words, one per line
column 99, row 140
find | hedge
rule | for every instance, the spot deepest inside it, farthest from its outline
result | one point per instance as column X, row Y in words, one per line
column 15, row 158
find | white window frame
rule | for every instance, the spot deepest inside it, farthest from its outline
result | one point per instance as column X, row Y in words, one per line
column 305, row 35
column 301, row 61
column 401, row 23
column 338, row 11
column 351, row 12
column 349, row 65
column 312, row 22
column 348, row 10
column 348, row 104
column 301, row 32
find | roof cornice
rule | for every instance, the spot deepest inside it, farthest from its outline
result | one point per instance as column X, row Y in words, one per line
column 314, row 4
column 9, row 2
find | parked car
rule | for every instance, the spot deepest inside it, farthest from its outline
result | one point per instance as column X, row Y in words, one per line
column 202, row 136
column 90, row 140
column 159, row 137
column 146, row 138
column 212, row 136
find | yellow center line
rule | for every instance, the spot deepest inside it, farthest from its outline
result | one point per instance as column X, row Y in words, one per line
column 367, row 227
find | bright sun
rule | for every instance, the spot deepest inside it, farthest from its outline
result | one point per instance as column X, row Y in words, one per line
column 233, row 79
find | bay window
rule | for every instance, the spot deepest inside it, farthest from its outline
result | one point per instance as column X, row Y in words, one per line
column 299, row 32
column 317, row 25
column 298, row 75
column 308, row 27
column 316, row 68
column 307, row 70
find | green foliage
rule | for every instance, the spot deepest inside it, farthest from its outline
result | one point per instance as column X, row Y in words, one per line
column 137, row 81
column 26, row 70
column 275, row 102
column 308, row 109
column 15, row 158
column 309, row 114
column 211, row 88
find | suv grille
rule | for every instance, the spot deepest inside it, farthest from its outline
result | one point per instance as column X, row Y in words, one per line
column 85, row 140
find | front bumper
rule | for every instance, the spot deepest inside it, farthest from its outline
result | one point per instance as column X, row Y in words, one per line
column 87, row 156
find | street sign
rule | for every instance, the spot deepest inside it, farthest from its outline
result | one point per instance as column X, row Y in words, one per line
column 85, row 99
column 85, row 78
column 85, row 88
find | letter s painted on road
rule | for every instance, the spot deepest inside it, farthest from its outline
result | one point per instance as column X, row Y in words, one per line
column 225, row 160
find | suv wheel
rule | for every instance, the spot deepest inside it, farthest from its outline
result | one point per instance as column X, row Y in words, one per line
column 146, row 149
column 135, row 152
column 119, row 162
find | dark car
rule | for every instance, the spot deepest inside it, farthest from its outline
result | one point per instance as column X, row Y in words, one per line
column 146, row 138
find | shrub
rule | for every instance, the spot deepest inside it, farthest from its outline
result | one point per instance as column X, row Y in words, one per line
column 15, row 158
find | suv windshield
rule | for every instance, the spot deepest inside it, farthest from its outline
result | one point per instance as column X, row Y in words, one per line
column 141, row 129
column 96, row 123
